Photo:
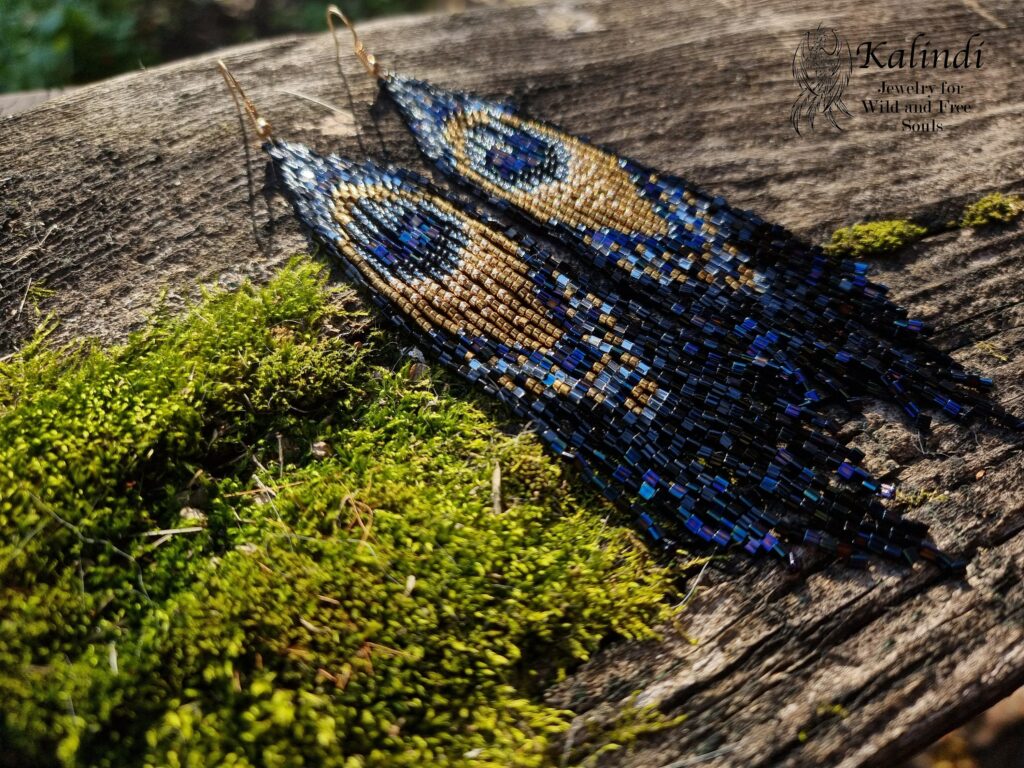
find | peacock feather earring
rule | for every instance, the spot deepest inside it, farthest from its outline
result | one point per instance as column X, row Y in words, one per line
column 690, row 434
column 741, row 281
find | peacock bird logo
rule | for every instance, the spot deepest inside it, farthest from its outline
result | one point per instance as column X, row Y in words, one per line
column 822, row 65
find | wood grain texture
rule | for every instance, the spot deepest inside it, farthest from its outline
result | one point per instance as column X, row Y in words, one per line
column 12, row 103
column 119, row 192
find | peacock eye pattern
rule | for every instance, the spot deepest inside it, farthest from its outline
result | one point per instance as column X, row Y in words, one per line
column 721, row 271
column 699, row 427
column 660, row 233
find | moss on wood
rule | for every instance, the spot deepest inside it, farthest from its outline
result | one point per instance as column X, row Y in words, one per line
column 878, row 238
column 248, row 537
column 996, row 208
column 875, row 238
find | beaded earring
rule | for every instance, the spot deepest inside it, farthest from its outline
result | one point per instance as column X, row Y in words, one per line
column 737, row 280
column 690, row 434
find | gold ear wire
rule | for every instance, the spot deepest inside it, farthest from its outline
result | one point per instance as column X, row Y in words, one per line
column 368, row 59
column 262, row 127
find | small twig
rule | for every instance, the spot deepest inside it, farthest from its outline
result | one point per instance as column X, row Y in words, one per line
column 356, row 504
column 314, row 628
column 46, row 234
column 271, row 495
column 323, row 104
column 89, row 540
column 496, row 489
column 36, row 246
column 254, row 491
column 696, row 583
column 20, row 546
column 174, row 531
column 24, row 298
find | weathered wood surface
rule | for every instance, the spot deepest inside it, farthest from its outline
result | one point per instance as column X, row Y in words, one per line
column 12, row 103
column 117, row 192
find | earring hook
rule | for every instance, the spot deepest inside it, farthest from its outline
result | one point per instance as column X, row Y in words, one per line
column 262, row 127
column 368, row 60
column 263, row 130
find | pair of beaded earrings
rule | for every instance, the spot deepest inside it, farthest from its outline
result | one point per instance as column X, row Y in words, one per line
column 680, row 350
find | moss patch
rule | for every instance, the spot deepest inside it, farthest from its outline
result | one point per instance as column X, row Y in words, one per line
column 877, row 238
column 598, row 734
column 874, row 238
column 247, row 538
column 996, row 208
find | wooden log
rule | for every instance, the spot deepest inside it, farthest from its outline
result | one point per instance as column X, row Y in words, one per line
column 117, row 193
column 12, row 103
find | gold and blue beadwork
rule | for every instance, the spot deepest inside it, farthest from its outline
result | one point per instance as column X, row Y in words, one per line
column 725, row 272
column 656, row 231
column 693, row 433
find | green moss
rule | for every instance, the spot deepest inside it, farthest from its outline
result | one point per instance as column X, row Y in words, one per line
column 188, row 582
column 874, row 238
column 996, row 208
column 629, row 724
column 909, row 500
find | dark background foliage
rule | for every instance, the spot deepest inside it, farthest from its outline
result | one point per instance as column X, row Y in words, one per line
column 52, row 43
